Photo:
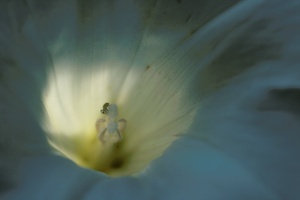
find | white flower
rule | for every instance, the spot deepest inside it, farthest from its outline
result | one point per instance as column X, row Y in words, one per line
column 222, row 78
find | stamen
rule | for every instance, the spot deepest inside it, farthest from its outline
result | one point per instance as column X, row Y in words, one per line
column 110, row 124
column 105, row 108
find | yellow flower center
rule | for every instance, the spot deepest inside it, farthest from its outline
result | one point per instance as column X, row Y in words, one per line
column 154, row 111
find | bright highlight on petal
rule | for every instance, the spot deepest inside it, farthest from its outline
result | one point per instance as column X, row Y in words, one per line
column 143, row 117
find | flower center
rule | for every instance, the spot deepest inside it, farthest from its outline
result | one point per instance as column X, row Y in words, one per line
column 127, row 134
column 110, row 124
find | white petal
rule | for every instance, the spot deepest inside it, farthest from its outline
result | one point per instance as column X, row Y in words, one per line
column 240, row 146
